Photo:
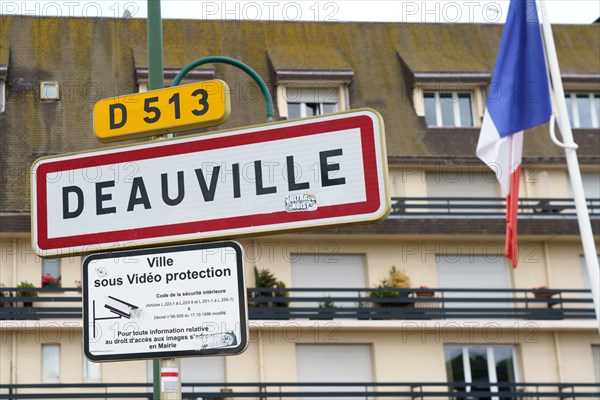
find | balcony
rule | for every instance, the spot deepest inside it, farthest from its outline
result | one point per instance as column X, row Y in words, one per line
column 280, row 390
column 541, row 217
column 439, row 215
column 356, row 304
column 488, row 207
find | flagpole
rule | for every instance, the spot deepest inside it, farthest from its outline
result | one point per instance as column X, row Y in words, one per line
column 583, row 217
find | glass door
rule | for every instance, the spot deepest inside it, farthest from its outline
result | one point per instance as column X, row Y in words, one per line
column 480, row 367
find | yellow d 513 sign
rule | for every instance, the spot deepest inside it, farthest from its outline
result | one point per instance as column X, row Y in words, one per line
column 163, row 111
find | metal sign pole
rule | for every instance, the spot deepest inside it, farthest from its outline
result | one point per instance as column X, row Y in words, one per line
column 155, row 81
column 155, row 46
column 170, row 379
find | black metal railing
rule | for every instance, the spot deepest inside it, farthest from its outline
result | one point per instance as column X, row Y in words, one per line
column 431, row 303
column 354, row 390
column 488, row 207
column 40, row 303
column 350, row 303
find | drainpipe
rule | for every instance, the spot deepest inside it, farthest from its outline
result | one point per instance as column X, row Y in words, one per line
column 261, row 363
column 13, row 361
column 547, row 263
column 559, row 368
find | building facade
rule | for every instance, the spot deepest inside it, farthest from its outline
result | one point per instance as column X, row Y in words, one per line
column 421, row 305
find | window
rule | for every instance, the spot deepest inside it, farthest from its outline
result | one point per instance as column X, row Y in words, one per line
column 448, row 183
column 473, row 272
column 482, row 366
column 596, row 360
column 591, row 188
column 334, row 271
column 308, row 102
column 49, row 91
column 334, row 363
column 448, row 109
column 2, row 95
column 584, row 109
column 203, row 370
column 585, row 279
column 51, row 272
column 304, row 100
column 591, row 184
column 445, row 183
column 50, row 362
column 308, row 109
column 91, row 370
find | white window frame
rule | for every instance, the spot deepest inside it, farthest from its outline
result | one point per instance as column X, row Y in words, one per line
column 86, row 373
column 476, row 91
column 590, row 188
column 343, row 102
column 455, row 108
column 327, row 351
column 502, row 263
column 44, row 85
column 359, row 259
column 596, row 361
column 2, row 95
column 585, row 280
column 304, row 108
column 574, row 111
column 43, row 362
column 53, row 260
column 491, row 364
column 446, row 180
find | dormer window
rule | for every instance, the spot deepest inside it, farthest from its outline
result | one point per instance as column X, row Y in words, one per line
column 443, row 93
column 442, row 107
column 448, row 109
column 2, row 95
column 308, row 102
column 312, row 81
column 584, row 109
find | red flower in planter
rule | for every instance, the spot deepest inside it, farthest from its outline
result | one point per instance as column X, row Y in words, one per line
column 542, row 292
column 428, row 293
column 50, row 281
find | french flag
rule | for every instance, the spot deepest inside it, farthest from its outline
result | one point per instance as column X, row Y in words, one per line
column 518, row 99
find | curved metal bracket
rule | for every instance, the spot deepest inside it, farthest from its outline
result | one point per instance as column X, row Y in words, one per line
column 557, row 142
column 236, row 63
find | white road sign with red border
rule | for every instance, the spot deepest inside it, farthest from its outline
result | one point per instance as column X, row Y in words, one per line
column 286, row 176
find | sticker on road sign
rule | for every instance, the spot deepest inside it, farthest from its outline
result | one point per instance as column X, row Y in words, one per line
column 279, row 177
column 162, row 111
column 169, row 380
column 166, row 302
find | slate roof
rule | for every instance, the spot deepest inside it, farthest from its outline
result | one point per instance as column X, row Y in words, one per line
column 97, row 58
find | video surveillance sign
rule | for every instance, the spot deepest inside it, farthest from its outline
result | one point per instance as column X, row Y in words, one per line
column 165, row 302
